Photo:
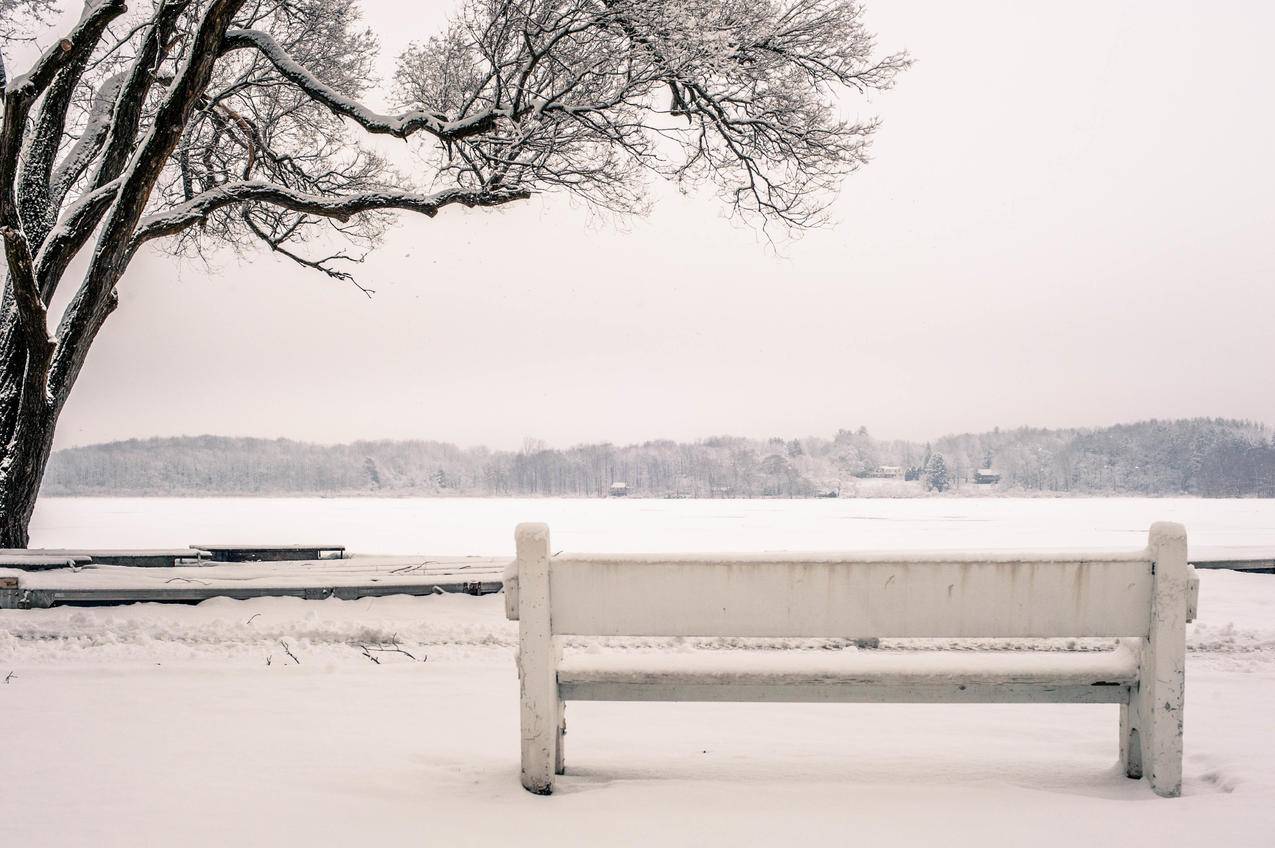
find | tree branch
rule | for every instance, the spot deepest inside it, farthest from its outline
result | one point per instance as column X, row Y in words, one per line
column 399, row 126
column 341, row 208
column 77, row 160
column 79, row 43
column 45, row 137
column 96, row 297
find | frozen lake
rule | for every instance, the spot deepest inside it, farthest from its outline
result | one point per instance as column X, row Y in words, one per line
column 484, row 526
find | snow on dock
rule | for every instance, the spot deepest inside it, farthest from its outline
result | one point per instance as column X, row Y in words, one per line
column 1235, row 558
column 271, row 553
column 141, row 557
column 349, row 578
column 53, row 577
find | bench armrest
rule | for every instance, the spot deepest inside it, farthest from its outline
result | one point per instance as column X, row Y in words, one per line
column 511, row 591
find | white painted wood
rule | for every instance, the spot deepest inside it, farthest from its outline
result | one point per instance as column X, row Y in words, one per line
column 1073, row 596
column 852, row 693
column 1131, row 718
column 537, row 661
column 1102, row 677
column 1144, row 596
column 1192, row 593
column 510, row 581
column 560, row 756
column 1162, row 682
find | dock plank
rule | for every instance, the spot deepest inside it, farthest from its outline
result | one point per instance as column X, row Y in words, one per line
column 1259, row 559
column 142, row 557
column 347, row 579
column 270, row 553
column 41, row 562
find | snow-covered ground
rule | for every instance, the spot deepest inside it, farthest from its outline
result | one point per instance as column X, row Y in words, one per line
column 173, row 725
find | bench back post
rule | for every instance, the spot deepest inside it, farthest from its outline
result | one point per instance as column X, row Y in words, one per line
column 537, row 660
column 1162, row 677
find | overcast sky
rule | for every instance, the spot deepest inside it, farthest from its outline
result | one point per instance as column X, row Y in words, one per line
column 1067, row 221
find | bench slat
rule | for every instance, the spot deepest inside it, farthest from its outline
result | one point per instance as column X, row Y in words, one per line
column 851, row 693
column 838, row 599
column 1101, row 677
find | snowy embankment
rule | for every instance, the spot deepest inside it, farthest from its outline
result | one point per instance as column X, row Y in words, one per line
column 281, row 721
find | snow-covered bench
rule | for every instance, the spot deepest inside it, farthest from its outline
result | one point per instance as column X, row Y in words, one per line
column 1144, row 597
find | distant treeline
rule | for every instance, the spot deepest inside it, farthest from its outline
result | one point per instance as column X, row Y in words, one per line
column 1210, row 457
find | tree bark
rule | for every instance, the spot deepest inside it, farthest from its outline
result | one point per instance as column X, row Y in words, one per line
column 22, row 463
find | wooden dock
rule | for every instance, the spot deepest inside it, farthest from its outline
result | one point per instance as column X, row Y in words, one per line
column 36, row 561
column 348, row 579
column 1256, row 559
column 140, row 557
column 39, row 579
column 271, row 553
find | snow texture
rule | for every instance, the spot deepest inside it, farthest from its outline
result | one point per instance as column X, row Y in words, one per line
column 192, row 725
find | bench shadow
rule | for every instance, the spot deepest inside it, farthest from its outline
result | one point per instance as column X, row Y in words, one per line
column 1109, row 783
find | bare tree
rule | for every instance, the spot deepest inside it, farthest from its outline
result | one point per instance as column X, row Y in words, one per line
column 237, row 122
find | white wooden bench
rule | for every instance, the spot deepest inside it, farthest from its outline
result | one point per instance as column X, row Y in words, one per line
column 1144, row 597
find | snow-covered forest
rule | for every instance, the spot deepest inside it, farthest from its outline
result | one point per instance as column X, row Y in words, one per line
column 1209, row 457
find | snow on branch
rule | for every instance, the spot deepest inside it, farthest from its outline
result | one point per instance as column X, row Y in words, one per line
column 341, row 208
column 78, row 43
column 400, row 126
column 98, row 126
column 579, row 89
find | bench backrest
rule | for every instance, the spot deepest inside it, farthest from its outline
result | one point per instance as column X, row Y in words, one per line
column 994, row 594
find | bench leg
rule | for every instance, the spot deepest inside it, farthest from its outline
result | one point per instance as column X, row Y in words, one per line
column 537, row 662
column 1130, row 742
column 1162, row 674
column 1131, row 721
column 559, row 765
column 541, row 729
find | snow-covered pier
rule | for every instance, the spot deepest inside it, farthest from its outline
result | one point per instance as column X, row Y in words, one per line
column 1258, row 559
column 356, row 576
column 348, row 578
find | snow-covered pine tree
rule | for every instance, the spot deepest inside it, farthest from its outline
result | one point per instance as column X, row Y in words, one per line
column 936, row 475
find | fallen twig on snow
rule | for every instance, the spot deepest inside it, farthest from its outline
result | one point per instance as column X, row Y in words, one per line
column 407, row 569
column 391, row 647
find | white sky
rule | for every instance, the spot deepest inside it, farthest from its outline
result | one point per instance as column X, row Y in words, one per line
column 1067, row 221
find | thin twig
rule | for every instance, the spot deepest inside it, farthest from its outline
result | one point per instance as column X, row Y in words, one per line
column 392, row 647
column 288, row 651
column 413, row 567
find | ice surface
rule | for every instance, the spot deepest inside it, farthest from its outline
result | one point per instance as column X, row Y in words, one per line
column 484, row 526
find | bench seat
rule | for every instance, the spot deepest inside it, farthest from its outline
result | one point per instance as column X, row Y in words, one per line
column 852, row 676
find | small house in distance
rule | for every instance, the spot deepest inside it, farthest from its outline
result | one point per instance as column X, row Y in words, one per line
column 986, row 476
column 619, row 490
column 887, row 472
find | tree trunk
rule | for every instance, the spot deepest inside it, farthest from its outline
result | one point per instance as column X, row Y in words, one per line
column 28, row 417
column 21, row 470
